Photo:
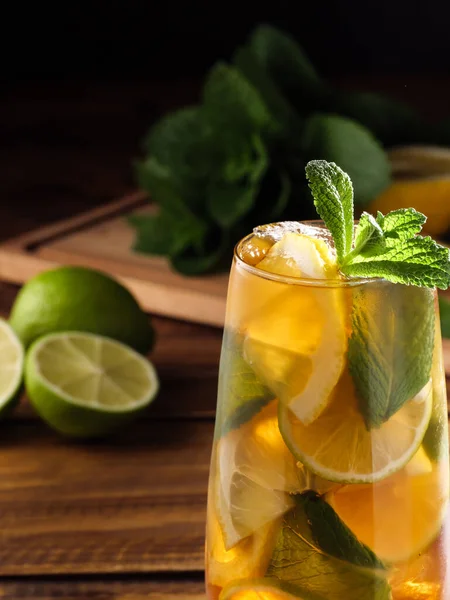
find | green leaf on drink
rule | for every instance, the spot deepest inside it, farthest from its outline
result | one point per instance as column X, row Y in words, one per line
column 333, row 197
column 241, row 394
column 444, row 311
column 369, row 236
column 390, row 351
column 316, row 551
column 401, row 224
column 418, row 261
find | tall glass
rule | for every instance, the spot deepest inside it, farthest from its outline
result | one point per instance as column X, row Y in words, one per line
column 330, row 473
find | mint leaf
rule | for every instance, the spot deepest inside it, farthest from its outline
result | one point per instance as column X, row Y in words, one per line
column 317, row 551
column 181, row 144
column 390, row 351
column 241, row 394
column 333, row 197
column 167, row 233
column 229, row 99
column 353, row 148
column 401, row 224
column 290, row 69
column 285, row 117
column 230, row 198
column 416, row 261
column 444, row 311
column 213, row 255
column 342, row 543
column 228, row 203
column 369, row 236
column 152, row 236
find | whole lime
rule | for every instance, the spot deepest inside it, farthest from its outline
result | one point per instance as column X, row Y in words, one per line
column 80, row 299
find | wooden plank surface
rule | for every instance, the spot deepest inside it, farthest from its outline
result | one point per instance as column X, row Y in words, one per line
column 102, row 239
column 135, row 503
column 102, row 589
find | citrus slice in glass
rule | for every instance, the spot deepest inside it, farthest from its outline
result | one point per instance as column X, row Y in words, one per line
column 339, row 447
column 296, row 342
column 399, row 517
column 265, row 589
column 249, row 558
column 253, row 473
column 11, row 367
column 85, row 385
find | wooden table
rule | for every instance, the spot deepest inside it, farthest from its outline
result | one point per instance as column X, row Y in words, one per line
column 122, row 519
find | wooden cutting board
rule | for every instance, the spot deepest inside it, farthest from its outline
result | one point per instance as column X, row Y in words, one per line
column 102, row 239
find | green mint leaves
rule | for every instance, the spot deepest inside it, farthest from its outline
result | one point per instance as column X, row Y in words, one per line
column 332, row 191
column 318, row 553
column 241, row 394
column 386, row 246
column 390, row 351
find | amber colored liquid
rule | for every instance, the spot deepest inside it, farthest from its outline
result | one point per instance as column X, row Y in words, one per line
column 404, row 514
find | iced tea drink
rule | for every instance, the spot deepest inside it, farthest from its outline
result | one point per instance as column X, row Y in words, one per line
column 330, row 473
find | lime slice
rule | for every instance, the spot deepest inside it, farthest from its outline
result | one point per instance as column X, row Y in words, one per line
column 11, row 367
column 399, row 517
column 296, row 343
column 338, row 446
column 265, row 589
column 85, row 385
column 79, row 299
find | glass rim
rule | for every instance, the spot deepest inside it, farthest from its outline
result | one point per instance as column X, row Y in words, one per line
column 305, row 281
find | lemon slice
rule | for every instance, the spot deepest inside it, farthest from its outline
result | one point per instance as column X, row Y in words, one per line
column 253, row 472
column 248, row 559
column 338, row 446
column 398, row 517
column 255, row 475
column 264, row 589
column 296, row 343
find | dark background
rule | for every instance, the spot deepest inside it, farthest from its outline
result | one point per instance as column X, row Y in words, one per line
column 169, row 39
column 81, row 83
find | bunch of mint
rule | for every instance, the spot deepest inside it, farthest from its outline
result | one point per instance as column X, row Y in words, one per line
column 237, row 160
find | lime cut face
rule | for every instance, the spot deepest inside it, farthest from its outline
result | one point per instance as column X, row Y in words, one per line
column 84, row 384
column 11, row 366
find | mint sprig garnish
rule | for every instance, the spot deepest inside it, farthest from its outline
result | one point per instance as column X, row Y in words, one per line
column 390, row 350
column 332, row 191
column 385, row 246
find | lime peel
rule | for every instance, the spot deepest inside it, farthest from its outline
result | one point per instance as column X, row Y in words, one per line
column 108, row 382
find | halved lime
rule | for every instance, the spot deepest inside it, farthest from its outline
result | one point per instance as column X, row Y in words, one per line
column 11, row 367
column 86, row 385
